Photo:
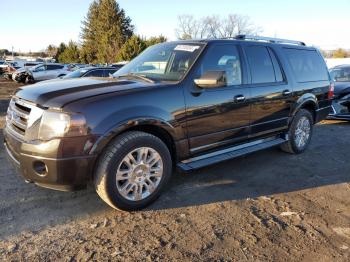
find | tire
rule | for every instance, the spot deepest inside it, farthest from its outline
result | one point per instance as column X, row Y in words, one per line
column 293, row 146
column 116, row 160
column 29, row 80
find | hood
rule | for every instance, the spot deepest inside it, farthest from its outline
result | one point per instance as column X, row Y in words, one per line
column 20, row 70
column 59, row 93
column 341, row 88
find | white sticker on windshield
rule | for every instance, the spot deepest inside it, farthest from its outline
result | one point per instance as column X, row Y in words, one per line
column 187, row 48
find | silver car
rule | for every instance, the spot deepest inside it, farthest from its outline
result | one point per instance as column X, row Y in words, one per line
column 50, row 71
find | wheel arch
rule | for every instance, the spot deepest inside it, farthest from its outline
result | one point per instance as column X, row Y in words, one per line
column 308, row 102
column 157, row 127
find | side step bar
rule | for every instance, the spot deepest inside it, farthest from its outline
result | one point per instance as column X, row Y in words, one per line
column 229, row 153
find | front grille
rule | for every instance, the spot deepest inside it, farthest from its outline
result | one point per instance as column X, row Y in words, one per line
column 20, row 117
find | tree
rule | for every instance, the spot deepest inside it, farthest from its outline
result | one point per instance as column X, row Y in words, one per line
column 51, row 51
column 132, row 48
column 340, row 53
column 214, row 27
column 70, row 53
column 105, row 29
column 60, row 50
column 136, row 45
column 155, row 40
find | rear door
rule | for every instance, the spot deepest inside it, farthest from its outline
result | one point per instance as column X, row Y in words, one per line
column 271, row 95
column 53, row 71
column 218, row 117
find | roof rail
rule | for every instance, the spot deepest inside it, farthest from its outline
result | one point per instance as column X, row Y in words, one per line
column 269, row 39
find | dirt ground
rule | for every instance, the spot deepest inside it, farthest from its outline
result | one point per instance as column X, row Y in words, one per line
column 268, row 206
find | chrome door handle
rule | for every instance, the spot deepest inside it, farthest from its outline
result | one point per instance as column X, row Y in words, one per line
column 286, row 92
column 239, row 98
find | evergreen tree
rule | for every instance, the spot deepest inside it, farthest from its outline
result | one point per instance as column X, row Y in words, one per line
column 105, row 30
column 60, row 50
column 70, row 54
column 155, row 40
column 135, row 45
column 132, row 48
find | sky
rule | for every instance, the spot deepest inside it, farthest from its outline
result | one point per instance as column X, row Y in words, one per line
column 33, row 25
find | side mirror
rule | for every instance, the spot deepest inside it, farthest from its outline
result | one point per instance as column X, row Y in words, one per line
column 212, row 79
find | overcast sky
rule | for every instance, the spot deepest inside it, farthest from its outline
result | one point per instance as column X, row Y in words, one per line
column 33, row 25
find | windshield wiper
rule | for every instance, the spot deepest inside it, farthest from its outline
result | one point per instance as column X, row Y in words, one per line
column 138, row 76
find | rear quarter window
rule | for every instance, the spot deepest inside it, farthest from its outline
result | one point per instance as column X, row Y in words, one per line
column 307, row 65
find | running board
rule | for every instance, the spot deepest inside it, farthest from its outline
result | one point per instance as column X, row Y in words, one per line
column 229, row 153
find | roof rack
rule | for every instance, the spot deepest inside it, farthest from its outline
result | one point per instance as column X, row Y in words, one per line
column 269, row 39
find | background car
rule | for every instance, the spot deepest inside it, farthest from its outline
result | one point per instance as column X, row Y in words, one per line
column 119, row 64
column 341, row 102
column 43, row 72
column 92, row 72
column 8, row 66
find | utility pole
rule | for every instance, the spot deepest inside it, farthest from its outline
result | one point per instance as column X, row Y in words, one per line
column 13, row 57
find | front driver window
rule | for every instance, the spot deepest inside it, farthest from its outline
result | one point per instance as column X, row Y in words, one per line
column 40, row 68
column 224, row 58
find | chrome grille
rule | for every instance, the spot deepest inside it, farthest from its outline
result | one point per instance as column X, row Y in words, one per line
column 21, row 116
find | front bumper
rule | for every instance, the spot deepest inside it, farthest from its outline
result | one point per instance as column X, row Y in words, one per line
column 65, row 173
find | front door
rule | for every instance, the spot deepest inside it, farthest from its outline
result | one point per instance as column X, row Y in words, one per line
column 39, row 73
column 218, row 117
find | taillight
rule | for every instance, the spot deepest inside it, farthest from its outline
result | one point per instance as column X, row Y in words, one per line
column 331, row 91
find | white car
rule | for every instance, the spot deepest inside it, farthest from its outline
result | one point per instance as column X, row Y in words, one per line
column 50, row 71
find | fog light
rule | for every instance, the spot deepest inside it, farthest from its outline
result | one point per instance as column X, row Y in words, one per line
column 40, row 168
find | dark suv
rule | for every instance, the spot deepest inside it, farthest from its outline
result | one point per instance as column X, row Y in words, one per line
column 187, row 104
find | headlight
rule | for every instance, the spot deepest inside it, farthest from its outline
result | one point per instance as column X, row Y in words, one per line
column 57, row 124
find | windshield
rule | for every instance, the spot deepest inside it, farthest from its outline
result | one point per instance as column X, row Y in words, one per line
column 163, row 62
column 340, row 74
column 75, row 74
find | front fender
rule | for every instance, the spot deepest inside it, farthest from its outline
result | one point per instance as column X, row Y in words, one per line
column 162, row 121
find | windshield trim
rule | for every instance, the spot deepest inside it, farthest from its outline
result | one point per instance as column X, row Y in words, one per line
column 204, row 44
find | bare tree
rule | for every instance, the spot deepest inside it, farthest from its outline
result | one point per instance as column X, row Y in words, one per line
column 188, row 27
column 215, row 27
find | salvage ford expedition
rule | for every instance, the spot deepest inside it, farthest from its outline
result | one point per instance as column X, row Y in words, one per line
column 185, row 104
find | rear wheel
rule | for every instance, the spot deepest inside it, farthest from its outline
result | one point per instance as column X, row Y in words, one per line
column 133, row 170
column 300, row 133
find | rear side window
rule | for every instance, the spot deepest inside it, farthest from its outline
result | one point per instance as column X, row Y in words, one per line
column 261, row 66
column 307, row 65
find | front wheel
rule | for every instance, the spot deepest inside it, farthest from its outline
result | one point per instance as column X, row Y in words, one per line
column 132, row 171
column 300, row 133
column 29, row 80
